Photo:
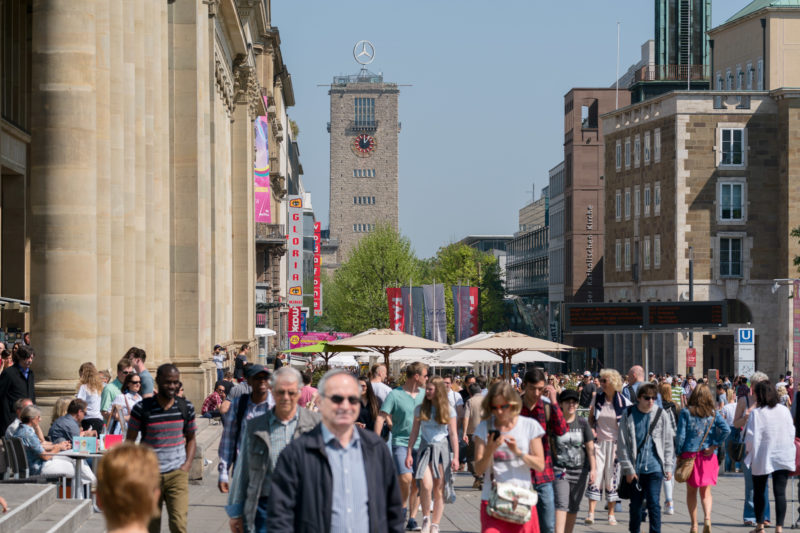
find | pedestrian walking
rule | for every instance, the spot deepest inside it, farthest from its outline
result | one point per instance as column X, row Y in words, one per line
column 770, row 451
column 573, row 462
column 701, row 429
column 539, row 401
column 434, row 421
column 646, row 456
column 746, row 402
column 399, row 407
column 239, row 363
column 16, row 383
column 728, row 413
column 114, row 389
column 587, row 390
column 337, row 477
column 472, row 417
column 604, row 416
column 264, row 439
column 122, row 404
column 369, row 406
column 507, row 447
column 128, row 487
column 377, row 378
column 671, row 413
column 90, row 390
column 166, row 424
column 138, row 356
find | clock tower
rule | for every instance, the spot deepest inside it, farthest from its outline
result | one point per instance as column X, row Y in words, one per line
column 364, row 130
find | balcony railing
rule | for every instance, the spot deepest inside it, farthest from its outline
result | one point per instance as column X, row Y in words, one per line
column 270, row 233
column 363, row 125
column 673, row 72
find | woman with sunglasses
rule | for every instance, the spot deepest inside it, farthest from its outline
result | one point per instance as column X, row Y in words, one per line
column 507, row 447
column 370, row 405
column 123, row 403
column 646, row 455
column 701, row 429
column 604, row 415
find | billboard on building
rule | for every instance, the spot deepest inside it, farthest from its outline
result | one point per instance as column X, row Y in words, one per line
column 261, row 189
column 317, row 269
column 294, row 252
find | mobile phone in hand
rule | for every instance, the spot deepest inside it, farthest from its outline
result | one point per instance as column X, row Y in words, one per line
column 495, row 434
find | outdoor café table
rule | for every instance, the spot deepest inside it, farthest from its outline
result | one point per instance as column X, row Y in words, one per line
column 79, row 457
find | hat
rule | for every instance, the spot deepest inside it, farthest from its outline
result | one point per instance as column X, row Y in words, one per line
column 217, row 347
column 252, row 370
column 587, row 374
column 568, row 394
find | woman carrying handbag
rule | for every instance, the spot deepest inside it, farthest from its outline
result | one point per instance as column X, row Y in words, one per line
column 701, row 429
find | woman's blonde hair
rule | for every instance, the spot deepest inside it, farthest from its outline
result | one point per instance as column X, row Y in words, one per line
column 128, row 484
column 90, row 377
column 507, row 392
column 729, row 395
column 60, row 407
column 701, row 402
column 440, row 402
column 612, row 377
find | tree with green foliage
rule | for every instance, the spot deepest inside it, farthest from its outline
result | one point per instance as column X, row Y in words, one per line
column 355, row 300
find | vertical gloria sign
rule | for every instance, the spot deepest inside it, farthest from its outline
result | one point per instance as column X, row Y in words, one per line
column 317, row 269
column 294, row 252
column 261, row 171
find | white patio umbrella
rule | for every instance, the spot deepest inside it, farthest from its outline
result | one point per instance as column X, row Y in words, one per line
column 485, row 356
column 387, row 341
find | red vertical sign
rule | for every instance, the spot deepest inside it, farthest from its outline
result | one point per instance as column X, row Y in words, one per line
column 474, row 298
column 295, row 317
column 396, row 314
column 317, row 269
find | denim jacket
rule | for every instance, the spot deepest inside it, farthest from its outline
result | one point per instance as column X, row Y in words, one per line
column 692, row 428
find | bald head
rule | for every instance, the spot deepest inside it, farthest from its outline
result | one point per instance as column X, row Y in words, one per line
column 635, row 374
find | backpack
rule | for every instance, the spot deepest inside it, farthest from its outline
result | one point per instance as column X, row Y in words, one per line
column 147, row 406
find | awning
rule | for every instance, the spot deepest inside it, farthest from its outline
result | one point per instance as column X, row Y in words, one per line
column 265, row 332
column 12, row 304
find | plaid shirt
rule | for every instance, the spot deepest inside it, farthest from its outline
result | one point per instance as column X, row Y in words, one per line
column 555, row 426
column 211, row 403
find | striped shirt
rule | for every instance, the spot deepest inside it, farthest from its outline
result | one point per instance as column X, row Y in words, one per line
column 165, row 431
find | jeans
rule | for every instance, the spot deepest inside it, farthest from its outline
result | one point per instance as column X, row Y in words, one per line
column 779, row 479
column 749, row 514
column 729, row 464
column 546, row 507
column 220, row 374
column 261, row 515
column 651, row 491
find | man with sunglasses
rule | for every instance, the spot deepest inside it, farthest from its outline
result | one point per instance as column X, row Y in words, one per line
column 264, row 438
column 337, row 477
column 399, row 409
column 539, row 401
column 114, row 389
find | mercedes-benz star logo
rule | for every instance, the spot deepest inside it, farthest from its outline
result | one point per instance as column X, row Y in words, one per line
column 364, row 52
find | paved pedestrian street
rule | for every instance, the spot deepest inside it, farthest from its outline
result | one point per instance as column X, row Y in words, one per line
column 207, row 513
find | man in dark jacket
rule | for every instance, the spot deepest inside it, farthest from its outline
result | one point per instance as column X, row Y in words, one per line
column 16, row 383
column 330, row 478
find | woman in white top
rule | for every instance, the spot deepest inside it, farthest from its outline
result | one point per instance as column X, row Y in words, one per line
column 507, row 447
column 770, row 450
column 434, row 420
column 123, row 403
column 90, row 390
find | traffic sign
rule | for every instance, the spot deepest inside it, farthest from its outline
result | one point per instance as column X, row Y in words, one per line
column 746, row 336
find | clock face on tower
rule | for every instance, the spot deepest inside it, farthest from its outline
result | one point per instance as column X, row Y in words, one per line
column 364, row 144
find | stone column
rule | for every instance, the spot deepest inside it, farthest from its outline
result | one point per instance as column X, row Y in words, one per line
column 63, row 191
column 117, row 187
column 128, row 127
column 140, row 298
column 148, row 207
column 164, row 286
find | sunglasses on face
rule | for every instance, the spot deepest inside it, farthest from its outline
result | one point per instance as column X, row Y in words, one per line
column 338, row 399
column 127, row 372
column 136, row 382
column 648, row 398
column 603, row 380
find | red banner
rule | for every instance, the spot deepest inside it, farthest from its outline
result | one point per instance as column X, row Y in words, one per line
column 317, row 269
column 396, row 314
column 474, row 298
column 295, row 317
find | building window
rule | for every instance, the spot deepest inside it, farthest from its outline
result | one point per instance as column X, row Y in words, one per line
column 739, row 78
column 618, row 254
column 646, row 252
column 647, row 200
column 364, row 173
column 627, row 255
column 760, row 75
column 750, row 73
column 627, row 204
column 618, row 205
column 719, row 80
column 636, row 195
column 364, row 112
column 657, row 251
column 647, row 148
column 628, row 152
column 728, row 80
column 637, row 147
column 657, row 145
column 619, row 155
column 732, row 141
column 657, row 199
column 730, row 257
column 731, row 201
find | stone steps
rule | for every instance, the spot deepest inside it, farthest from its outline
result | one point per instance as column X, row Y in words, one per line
column 35, row 509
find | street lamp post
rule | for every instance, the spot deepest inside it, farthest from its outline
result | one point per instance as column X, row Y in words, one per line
column 690, row 370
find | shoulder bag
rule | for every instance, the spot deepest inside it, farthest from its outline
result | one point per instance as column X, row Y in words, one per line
column 735, row 446
column 509, row 502
column 625, row 489
column 685, row 465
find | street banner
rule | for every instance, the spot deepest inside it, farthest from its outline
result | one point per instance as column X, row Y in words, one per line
column 294, row 252
column 435, row 312
column 796, row 330
column 408, row 308
column 295, row 319
column 262, row 194
column 298, row 339
column 396, row 311
column 474, row 299
column 456, row 289
column 317, row 269
column 416, row 312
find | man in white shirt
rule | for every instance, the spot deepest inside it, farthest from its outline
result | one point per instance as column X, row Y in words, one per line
column 377, row 378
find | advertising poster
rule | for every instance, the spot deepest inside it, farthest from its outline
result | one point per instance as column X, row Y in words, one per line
column 396, row 314
column 317, row 269
column 261, row 172
column 294, row 252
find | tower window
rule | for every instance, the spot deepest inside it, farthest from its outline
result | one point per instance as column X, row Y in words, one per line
column 364, row 112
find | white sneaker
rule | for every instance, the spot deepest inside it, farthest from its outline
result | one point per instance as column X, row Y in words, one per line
column 426, row 524
column 669, row 508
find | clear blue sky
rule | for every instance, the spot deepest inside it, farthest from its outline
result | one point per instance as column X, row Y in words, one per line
column 483, row 120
